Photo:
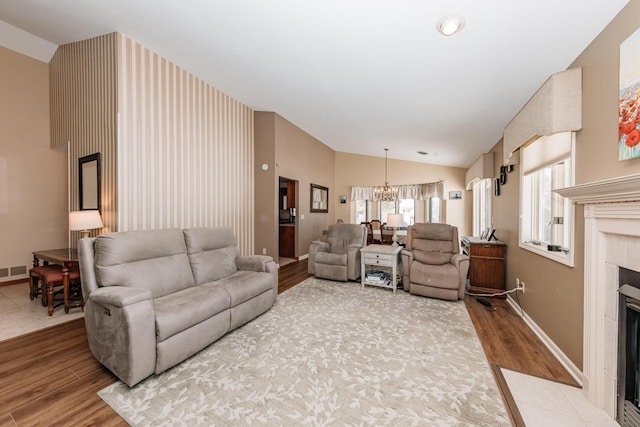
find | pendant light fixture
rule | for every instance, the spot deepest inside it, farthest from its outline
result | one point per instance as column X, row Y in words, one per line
column 387, row 192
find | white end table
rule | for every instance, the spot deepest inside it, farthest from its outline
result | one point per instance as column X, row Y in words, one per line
column 381, row 256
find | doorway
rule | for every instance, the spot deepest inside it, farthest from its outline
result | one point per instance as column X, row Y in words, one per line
column 287, row 216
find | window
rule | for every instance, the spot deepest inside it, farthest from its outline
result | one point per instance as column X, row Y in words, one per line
column 481, row 206
column 412, row 210
column 546, row 218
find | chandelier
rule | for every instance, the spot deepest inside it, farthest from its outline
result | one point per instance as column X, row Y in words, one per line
column 386, row 193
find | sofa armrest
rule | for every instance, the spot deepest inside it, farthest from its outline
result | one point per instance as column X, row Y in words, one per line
column 353, row 261
column 253, row 262
column 119, row 296
column 461, row 261
column 87, row 266
column 260, row 263
column 121, row 330
column 407, row 258
column 315, row 247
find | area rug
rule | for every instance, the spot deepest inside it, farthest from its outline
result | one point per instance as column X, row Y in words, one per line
column 326, row 354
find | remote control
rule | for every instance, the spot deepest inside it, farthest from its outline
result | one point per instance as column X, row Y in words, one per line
column 484, row 302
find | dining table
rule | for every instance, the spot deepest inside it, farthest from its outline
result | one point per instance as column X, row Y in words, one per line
column 65, row 257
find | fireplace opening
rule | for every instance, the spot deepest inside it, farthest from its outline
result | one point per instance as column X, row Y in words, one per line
column 629, row 349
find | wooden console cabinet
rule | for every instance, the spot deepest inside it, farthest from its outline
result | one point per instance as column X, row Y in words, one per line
column 486, row 265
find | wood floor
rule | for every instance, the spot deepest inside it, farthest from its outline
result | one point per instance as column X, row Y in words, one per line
column 49, row 377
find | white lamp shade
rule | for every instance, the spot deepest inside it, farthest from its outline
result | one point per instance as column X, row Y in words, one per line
column 395, row 220
column 84, row 220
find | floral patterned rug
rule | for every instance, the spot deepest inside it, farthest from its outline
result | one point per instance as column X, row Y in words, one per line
column 326, row 354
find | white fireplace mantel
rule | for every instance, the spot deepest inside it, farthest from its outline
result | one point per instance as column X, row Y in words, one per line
column 611, row 236
column 620, row 189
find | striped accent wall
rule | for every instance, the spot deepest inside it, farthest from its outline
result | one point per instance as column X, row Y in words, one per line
column 83, row 90
column 185, row 149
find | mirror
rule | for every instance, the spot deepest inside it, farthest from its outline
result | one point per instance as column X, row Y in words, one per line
column 319, row 198
column 89, row 171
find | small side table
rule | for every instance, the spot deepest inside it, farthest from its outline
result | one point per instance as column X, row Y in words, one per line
column 381, row 256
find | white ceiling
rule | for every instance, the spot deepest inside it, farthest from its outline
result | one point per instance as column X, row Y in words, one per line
column 359, row 75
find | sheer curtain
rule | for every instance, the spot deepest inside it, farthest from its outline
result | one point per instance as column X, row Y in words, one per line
column 410, row 191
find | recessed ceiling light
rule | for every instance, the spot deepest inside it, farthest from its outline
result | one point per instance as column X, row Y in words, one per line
column 450, row 24
column 422, row 153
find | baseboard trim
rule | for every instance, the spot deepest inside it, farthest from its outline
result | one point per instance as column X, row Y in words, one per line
column 555, row 350
column 301, row 257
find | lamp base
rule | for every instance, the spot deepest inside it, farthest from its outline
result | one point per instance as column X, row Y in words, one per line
column 394, row 238
column 84, row 234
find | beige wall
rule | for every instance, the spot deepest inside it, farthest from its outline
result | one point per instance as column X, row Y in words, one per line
column 356, row 170
column 554, row 296
column 597, row 142
column 33, row 178
column 266, row 184
column 297, row 156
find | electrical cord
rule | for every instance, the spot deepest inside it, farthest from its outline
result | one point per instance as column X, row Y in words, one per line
column 492, row 295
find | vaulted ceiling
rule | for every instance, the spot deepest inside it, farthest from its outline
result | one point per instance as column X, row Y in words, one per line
column 359, row 75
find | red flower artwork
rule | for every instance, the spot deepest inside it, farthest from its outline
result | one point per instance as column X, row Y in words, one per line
column 633, row 138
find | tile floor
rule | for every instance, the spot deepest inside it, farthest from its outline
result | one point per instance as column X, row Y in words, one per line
column 540, row 402
column 19, row 315
column 544, row 403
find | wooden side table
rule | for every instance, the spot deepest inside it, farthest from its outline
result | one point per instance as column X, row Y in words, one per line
column 486, row 265
column 384, row 256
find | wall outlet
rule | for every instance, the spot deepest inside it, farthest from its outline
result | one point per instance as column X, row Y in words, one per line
column 264, row 251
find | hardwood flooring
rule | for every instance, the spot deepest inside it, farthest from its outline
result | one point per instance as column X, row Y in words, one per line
column 49, row 377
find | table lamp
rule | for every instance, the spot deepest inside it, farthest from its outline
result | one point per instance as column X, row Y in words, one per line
column 395, row 221
column 84, row 221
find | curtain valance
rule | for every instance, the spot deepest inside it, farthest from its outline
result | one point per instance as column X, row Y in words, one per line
column 410, row 191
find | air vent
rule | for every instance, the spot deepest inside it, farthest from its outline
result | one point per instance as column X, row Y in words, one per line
column 18, row 271
column 4, row 272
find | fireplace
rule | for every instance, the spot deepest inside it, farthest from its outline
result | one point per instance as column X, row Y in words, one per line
column 629, row 349
column 611, row 242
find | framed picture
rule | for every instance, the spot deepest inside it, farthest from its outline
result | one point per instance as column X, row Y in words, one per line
column 343, row 199
column 629, row 90
column 319, row 198
column 89, row 182
column 455, row 195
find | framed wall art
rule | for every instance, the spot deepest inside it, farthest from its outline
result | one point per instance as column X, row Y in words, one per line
column 629, row 95
column 319, row 198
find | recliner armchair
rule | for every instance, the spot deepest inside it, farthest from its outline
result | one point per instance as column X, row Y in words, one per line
column 339, row 257
column 432, row 263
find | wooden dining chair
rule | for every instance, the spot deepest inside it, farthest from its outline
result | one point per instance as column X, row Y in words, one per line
column 369, row 232
column 376, row 230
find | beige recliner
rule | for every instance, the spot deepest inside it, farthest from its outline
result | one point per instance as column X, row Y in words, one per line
column 339, row 257
column 432, row 263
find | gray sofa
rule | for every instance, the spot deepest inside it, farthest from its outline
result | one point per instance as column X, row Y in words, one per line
column 156, row 297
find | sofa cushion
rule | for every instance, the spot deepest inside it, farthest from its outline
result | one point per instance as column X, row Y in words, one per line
column 432, row 258
column 341, row 236
column 183, row 309
column 438, row 276
column 212, row 253
column 244, row 285
column 155, row 260
column 331, row 258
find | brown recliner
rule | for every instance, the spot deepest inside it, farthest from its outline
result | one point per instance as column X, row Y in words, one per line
column 339, row 257
column 432, row 263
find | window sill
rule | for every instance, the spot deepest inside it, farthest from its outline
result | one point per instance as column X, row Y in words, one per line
column 560, row 257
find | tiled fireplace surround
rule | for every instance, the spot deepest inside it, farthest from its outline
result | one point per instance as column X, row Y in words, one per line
column 612, row 240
